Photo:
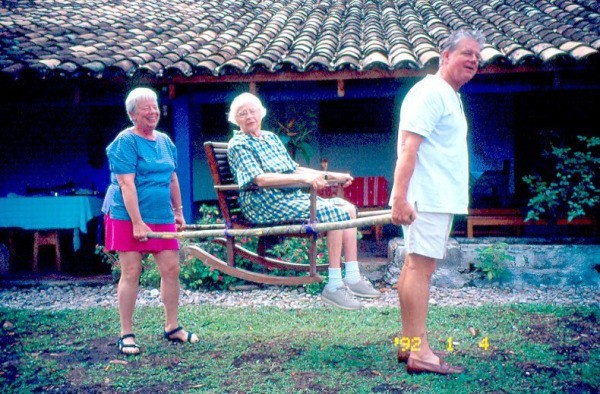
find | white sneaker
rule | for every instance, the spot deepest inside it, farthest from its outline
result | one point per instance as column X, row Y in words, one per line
column 340, row 298
column 363, row 288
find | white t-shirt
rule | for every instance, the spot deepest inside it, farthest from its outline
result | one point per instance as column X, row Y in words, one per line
column 440, row 182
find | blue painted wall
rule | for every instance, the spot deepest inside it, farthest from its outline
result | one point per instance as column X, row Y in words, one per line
column 44, row 146
column 50, row 142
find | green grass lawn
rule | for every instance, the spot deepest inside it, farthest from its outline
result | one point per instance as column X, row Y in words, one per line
column 532, row 348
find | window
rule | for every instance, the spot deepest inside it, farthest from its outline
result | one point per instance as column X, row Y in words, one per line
column 357, row 116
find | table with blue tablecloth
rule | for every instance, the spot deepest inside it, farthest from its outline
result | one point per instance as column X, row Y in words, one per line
column 50, row 213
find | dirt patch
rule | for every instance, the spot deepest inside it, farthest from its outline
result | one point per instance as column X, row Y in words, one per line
column 264, row 352
column 501, row 355
column 306, row 381
column 276, row 356
column 8, row 339
column 402, row 387
column 97, row 350
column 530, row 368
column 392, row 389
column 574, row 336
column 581, row 387
column 541, row 328
column 255, row 358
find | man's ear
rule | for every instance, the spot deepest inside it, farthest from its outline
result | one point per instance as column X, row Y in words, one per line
column 444, row 55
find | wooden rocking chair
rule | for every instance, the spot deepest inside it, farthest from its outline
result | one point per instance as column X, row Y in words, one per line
column 236, row 225
column 227, row 194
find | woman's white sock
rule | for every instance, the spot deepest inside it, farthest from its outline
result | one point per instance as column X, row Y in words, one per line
column 352, row 272
column 335, row 279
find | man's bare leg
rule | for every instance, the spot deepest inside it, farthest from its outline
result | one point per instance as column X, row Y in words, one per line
column 413, row 293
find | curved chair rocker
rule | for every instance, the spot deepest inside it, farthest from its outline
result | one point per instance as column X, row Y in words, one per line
column 236, row 225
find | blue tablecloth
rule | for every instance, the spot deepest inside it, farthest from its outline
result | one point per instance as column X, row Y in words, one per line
column 50, row 213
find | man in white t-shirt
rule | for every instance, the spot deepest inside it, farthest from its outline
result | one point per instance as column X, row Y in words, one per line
column 430, row 187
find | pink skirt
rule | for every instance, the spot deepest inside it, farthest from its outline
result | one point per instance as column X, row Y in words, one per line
column 118, row 236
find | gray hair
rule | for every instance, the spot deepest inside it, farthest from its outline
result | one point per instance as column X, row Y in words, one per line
column 137, row 95
column 241, row 100
column 452, row 41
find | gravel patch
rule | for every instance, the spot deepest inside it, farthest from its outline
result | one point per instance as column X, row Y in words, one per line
column 73, row 296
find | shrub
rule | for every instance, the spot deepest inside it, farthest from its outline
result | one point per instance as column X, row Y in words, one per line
column 195, row 274
column 491, row 261
column 111, row 259
column 570, row 188
column 150, row 276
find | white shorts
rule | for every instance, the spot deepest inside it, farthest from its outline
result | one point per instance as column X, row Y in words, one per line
column 428, row 234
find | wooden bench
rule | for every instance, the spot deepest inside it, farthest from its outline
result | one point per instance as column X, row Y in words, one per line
column 479, row 217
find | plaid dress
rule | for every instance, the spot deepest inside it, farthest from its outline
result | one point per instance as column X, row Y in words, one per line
column 249, row 157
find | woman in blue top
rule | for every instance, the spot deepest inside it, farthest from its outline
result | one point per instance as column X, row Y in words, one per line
column 144, row 196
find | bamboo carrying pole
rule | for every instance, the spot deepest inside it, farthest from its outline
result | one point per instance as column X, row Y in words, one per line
column 214, row 226
column 203, row 226
column 368, row 220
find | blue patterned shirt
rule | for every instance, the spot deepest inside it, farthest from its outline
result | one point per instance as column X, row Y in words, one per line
column 250, row 157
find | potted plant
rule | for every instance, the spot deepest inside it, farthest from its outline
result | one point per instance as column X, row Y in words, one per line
column 297, row 132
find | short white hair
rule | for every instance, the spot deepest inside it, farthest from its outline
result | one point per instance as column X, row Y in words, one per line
column 241, row 100
column 453, row 40
column 137, row 95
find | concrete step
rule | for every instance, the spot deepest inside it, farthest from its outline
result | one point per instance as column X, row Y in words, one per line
column 373, row 268
column 53, row 280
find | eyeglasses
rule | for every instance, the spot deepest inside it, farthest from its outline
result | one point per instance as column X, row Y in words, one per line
column 247, row 112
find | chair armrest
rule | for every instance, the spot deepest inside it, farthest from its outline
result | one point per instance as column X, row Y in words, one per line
column 302, row 185
column 234, row 186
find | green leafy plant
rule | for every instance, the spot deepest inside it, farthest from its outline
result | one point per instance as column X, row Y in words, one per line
column 107, row 256
column 209, row 214
column 295, row 250
column 150, row 276
column 571, row 187
column 110, row 258
column 492, row 260
column 194, row 273
column 296, row 135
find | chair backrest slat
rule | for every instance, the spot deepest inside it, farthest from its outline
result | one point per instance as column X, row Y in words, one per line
column 216, row 153
column 226, row 188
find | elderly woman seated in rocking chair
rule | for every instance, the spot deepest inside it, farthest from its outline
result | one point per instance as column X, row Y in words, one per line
column 258, row 157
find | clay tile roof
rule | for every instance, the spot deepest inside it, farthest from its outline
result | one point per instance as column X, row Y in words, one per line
column 182, row 38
